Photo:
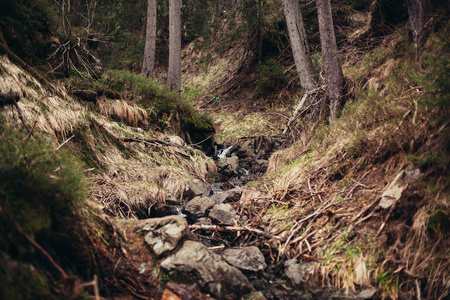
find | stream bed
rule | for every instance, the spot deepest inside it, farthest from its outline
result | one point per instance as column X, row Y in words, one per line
column 221, row 257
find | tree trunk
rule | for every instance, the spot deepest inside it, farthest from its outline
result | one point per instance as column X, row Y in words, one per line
column 174, row 74
column 299, row 45
column 148, row 65
column 333, row 72
column 418, row 11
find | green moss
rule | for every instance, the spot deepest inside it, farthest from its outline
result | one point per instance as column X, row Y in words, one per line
column 439, row 221
column 22, row 281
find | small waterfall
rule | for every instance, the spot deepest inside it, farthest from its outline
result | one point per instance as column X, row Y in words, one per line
column 223, row 152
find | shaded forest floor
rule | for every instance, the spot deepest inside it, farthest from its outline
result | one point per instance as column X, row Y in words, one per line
column 362, row 203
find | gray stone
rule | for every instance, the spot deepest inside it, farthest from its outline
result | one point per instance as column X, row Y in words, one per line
column 229, row 165
column 196, row 187
column 212, row 273
column 246, row 258
column 203, row 221
column 260, row 165
column 198, row 206
column 165, row 233
column 175, row 140
column 232, row 195
column 367, row 294
column 224, row 213
column 301, row 275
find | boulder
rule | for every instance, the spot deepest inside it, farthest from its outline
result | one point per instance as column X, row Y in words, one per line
column 198, row 206
column 196, row 187
column 260, row 166
column 203, row 221
column 301, row 275
column 228, row 165
column 247, row 149
column 246, row 258
column 367, row 294
column 174, row 140
column 212, row 273
column 223, row 213
column 232, row 195
column 164, row 234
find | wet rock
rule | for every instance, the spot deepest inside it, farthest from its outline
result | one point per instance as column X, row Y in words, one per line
column 223, row 213
column 212, row 273
column 301, row 275
column 260, row 166
column 177, row 291
column 213, row 177
column 247, row 149
column 195, row 188
column 198, row 206
column 228, row 165
column 232, row 195
column 164, row 234
column 162, row 210
column 246, row 258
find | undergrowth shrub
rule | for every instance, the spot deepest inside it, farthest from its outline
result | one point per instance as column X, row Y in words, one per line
column 41, row 191
column 271, row 77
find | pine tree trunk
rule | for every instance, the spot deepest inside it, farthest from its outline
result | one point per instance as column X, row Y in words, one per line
column 333, row 72
column 148, row 65
column 418, row 11
column 299, row 45
column 174, row 73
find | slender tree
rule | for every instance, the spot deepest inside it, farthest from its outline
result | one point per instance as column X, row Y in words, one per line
column 417, row 11
column 174, row 73
column 333, row 72
column 148, row 65
column 299, row 45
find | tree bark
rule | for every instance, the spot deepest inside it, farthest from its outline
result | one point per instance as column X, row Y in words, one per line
column 299, row 45
column 148, row 65
column 174, row 73
column 417, row 11
column 333, row 72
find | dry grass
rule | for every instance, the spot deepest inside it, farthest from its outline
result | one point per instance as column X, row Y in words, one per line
column 233, row 126
column 153, row 172
column 54, row 115
column 121, row 110
column 319, row 198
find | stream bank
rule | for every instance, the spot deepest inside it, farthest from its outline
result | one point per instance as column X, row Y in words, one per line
column 206, row 248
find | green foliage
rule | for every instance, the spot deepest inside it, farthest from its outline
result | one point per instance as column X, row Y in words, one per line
column 436, row 81
column 41, row 189
column 22, row 281
column 439, row 222
column 271, row 77
column 25, row 24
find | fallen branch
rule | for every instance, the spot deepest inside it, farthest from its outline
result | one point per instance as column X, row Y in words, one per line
column 65, row 142
column 21, row 117
column 231, row 229
column 294, row 115
column 32, row 128
column 149, row 141
column 40, row 249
